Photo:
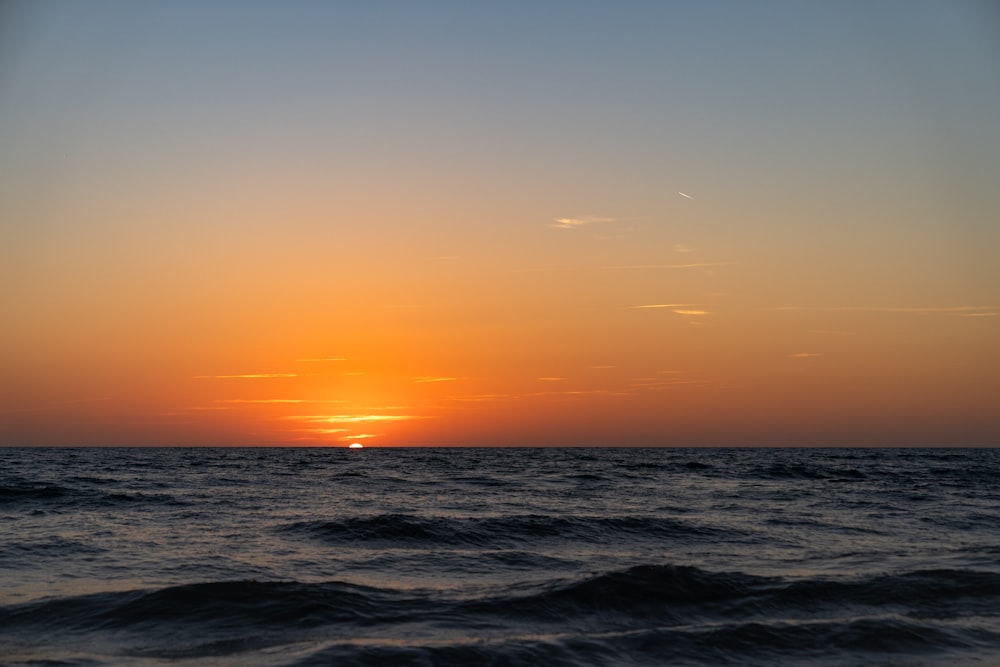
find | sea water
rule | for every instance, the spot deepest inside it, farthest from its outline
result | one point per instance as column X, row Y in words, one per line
column 499, row 557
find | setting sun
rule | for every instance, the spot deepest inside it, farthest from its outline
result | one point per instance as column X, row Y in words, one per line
column 355, row 445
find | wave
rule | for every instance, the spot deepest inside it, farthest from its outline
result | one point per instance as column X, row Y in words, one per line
column 950, row 470
column 401, row 530
column 53, row 494
column 863, row 642
column 216, row 605
column 784, row 471
column 665, row 592
column 22, row 553
column 678, row 592
column 668, row 594
column 816, row 558
column 13, row 494
column 493, row 564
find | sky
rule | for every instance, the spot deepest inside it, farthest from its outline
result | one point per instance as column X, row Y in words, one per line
column 639, row 223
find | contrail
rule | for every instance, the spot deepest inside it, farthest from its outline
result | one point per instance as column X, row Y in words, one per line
column 684, row 195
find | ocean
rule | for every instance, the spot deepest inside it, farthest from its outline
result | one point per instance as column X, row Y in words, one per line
column 502, row 557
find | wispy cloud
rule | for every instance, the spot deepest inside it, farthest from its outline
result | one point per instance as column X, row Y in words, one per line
column 621, row 267
column 636, row 385
column 481, row 398
column 20, row 410
column 259, row 400
column 806, row 355
column 52, row 406
column 685, row 195
column 277, row 400
column 685, row 309
column 574, row 393
column 424, row 379
column 582, row 221
column 965, row 311
column 550, row 379
column 680, row 247
column 321, row 359
column 351, row 419
column 645, row 384
column 627, row 388
column 249, row 376
column 695, row 265
column 343, row 434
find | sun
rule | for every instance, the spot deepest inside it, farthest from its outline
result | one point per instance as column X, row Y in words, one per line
column 355, row 445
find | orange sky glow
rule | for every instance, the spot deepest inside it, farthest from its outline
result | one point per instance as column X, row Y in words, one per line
column 256, row 242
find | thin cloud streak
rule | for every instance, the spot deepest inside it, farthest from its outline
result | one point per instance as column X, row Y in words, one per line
column 352, row 419
column 53, row 406
column 645, row 384
column 249, row 376
column 629, row 388
column 277, row 400
column 619, row 267
column 480, row 398
column 966, row 311
column 574, row 223
column 259, row 400
column 697, row 265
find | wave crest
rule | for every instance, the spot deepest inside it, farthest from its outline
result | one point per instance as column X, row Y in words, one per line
column 407, row 530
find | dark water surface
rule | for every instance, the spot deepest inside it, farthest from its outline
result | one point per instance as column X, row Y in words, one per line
column 499, row 557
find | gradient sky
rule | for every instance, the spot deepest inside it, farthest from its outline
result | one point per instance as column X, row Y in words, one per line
column 516, row 223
